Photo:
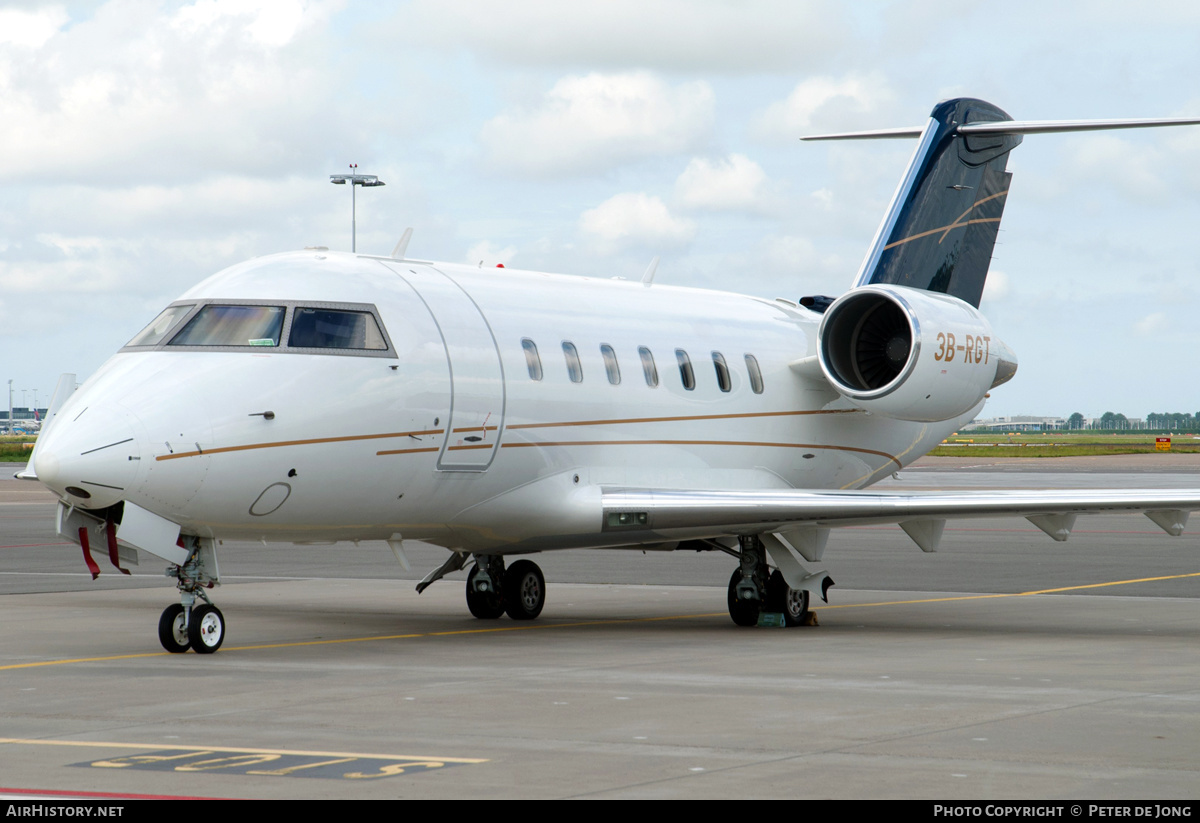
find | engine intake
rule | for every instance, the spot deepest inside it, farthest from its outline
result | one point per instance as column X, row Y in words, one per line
column 911, row 354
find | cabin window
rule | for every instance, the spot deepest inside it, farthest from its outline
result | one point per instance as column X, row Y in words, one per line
column 685, row 369
column 756, row 381
column 233, row 326
column 160, row 326
column 532, row 361
column 722, row 371
column 574, row 367
column 610, row 364
column 333, row 329
column 648, row 367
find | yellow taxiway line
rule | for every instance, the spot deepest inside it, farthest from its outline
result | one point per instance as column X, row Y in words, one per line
column 589, row 623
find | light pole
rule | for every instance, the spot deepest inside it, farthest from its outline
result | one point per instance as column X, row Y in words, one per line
column 354, row 179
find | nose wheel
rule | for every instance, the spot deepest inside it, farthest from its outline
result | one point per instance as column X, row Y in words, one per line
column 206, row 631
column 201, row 629
column 173, row 629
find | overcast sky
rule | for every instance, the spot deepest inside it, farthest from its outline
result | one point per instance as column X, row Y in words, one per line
column 146, row 145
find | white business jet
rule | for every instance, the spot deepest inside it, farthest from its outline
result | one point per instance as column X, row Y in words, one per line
column 318, row 396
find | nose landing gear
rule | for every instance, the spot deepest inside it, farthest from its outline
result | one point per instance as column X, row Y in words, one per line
column 202, row 628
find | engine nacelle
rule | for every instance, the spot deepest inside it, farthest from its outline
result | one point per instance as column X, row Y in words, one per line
column 911, row 354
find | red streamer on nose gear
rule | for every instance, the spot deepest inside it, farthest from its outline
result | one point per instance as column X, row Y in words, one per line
column 84, row 544
column 114, row 557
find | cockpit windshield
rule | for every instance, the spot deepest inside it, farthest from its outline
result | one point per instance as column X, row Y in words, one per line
column 217, row 325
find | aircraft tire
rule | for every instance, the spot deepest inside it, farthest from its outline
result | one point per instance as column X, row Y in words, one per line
column 524, row 590
column 206, row 631
column 484, row 605
column 793, row 604
column 171, row 633
column 743, row 612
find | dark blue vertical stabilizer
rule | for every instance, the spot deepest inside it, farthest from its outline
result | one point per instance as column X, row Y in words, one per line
column 940, row 229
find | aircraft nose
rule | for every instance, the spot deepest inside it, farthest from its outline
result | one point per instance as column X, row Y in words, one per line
column 90, row 460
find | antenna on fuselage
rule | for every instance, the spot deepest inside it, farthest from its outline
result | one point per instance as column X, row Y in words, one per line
column 402, row 247
column 648, row 277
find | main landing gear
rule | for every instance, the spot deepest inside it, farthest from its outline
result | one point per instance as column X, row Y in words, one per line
column 756, row 590
column 492, row 590
column 184, row 625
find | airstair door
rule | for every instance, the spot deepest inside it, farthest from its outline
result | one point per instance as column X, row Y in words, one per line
column 476, row 420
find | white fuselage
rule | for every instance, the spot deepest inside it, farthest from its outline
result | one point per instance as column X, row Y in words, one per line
column 447, row 438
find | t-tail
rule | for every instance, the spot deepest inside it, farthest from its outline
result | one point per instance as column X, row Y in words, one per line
column 908, row 340
column 940, row 229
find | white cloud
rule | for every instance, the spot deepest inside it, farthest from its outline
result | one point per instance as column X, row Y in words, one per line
column 706, row 35
column 634, row 218
column 270, row 22
column 827, row 104
column 735, row 183
column 1152, row 324
column 1136, row 170
column 596, row 121
column 996, row 287
column 31, row 29
column 137, row 91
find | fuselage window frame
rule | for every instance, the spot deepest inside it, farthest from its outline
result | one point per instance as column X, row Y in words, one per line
column 533, row 361
column 756, row 378
column 686, row 374
column 648, row 367
column 611, row 367
column 724, row 381
column 574, row 365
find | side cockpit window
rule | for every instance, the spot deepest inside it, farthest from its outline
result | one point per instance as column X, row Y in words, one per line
column 334, row 329
column 160, row 326
column 216, row 325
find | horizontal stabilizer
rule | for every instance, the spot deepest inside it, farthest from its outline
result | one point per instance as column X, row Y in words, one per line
column 877, row 134
column 1015, row 127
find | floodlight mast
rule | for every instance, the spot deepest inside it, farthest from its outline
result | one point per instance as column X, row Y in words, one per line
column 355, row 179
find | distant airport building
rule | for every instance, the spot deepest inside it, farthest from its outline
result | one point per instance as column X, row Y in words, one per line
column 1018, row 422
column 1029, row 422
column 22, row 413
